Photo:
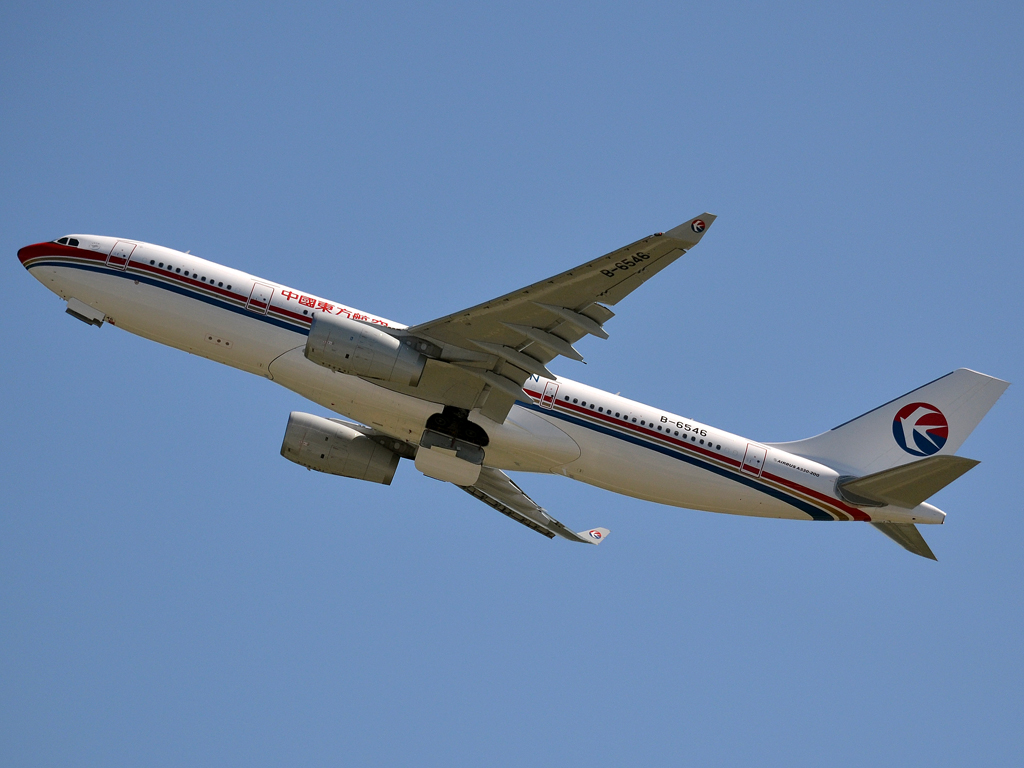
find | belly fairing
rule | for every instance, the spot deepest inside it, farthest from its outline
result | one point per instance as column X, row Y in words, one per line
column 527, row 442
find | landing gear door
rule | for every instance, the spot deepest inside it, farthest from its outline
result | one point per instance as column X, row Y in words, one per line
column 259, row 299
column 120, row 254
column 753, row 459
column 547, row 400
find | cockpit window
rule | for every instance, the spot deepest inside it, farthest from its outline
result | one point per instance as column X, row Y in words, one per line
column 72, row 241
column 62, row 241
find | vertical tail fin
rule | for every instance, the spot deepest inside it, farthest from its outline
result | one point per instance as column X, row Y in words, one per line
column 932, row 420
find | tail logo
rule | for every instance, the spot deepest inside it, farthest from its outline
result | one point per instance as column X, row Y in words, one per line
column 698, row 226
column 595, row 535
column 920, row 429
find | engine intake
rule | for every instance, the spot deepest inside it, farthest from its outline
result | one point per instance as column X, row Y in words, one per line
column 331, row 447
column 351, row 347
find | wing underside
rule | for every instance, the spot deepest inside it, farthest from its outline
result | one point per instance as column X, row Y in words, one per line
column 497, row 490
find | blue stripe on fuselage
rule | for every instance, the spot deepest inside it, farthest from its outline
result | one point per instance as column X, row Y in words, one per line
column 803, row 506
column 142, row 277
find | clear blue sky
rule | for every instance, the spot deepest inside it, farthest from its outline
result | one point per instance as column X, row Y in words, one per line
column 174, row 592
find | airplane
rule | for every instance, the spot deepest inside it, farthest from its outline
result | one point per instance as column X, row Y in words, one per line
column 469, row 397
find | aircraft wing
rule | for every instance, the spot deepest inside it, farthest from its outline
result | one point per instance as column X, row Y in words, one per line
column 484, row 354
column 496, row 489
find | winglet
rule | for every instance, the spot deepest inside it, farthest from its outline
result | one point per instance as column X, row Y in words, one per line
column 690, row 232
column 594, row 535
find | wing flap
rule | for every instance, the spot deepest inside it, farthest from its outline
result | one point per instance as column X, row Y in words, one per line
column 498, row 491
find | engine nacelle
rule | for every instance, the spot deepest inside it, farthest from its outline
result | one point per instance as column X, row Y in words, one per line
column 336, row 449
column 358, row 349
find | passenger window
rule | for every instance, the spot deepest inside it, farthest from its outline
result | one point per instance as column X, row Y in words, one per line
column 178, row 270
column 616, row 414
column 203, row 278
column 152, row 261
column 575, row 400
column 634, row 420
column 591, row 406
column 229, row 287
column 220, row 285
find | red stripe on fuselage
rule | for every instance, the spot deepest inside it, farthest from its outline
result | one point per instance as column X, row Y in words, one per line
column 152, row 269
column 43, row 250
column 36, row 250
column 55, row 250
column 679, row 442
column 855, row 513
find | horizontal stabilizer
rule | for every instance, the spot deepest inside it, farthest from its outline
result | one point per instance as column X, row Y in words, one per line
column 908, row 537
column 907, row 485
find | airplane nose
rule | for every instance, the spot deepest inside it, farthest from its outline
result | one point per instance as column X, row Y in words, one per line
column 30, row 252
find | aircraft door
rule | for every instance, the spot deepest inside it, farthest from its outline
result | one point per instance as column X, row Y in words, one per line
column 753, row 459
column 547, row 400
column 120, row 254
column 259, row 299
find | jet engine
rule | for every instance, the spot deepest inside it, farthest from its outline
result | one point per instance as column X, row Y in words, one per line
column 348, row 346
column 332, row 447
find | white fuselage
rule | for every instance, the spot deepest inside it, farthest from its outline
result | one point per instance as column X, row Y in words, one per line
column 560, row 427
